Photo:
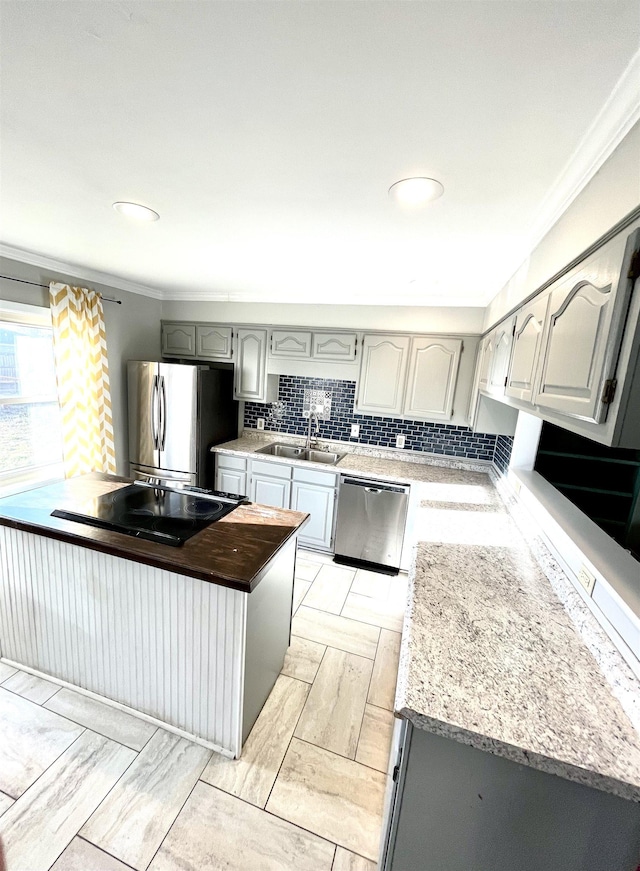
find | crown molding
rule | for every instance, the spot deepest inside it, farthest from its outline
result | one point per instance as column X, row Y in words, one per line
column 612, row 123
column 22, row 255
column 411, row 300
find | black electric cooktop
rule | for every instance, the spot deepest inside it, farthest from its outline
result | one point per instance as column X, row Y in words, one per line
column 157, row 514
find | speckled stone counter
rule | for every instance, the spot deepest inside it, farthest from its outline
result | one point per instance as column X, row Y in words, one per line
column 491, row 658
column 489, row 655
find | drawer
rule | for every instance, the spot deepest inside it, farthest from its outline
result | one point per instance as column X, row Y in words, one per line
column 271, row 470
column 312, row 476
column 223, row 461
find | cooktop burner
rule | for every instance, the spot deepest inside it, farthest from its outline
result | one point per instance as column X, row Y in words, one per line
column 154, row 513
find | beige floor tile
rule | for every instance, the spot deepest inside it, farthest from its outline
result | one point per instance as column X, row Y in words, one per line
column 335, row 631
column 300, row 589
column 215, row 830
column 333, row 713
column 330, row 588
column 373, row 611
column 347, row 861
column 385, row 670
column 303, row 659
column 314, row 556
column 306, row 570
column 6, row 671
column 36, row 689
column 334, row 797
column 374, row 744
column 82, row 856
column 372, row 584
column 251, row 777
column 137, row 814
column 31, row 738
column 5, row 802
column 110, row 722
column 39, row 826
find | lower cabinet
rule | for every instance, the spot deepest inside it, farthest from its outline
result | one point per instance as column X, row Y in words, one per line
column 315, row 492
column 283, row 485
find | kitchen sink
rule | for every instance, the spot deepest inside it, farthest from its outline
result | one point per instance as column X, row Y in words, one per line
column 294, row 452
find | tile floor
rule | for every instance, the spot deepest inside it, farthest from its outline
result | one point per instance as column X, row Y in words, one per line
column 84, row 787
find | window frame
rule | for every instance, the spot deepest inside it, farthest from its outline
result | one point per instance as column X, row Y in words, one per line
column 12, row 481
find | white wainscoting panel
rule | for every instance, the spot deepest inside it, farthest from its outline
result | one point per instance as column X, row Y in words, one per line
column 161, row 643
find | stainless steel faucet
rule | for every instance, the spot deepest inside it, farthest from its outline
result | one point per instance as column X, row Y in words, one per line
column 314, row 415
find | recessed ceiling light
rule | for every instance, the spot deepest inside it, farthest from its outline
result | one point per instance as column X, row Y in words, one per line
column 136, row 211
column 415, row 191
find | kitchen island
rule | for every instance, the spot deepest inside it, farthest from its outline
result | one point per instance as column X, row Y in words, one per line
column 190, row 637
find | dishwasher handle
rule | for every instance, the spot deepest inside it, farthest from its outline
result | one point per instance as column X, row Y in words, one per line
column 375, row 486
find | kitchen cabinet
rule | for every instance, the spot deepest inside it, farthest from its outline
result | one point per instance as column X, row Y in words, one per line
column 334, row 346
column 270, row 484
column 382, row 375
column 527, row 339
column 291, row 343
column 315, row 492
column 250, row 371
column 455, row 807
column 214, row 342
column 431, row 384
column 501, row 353
column 231, row 475
column 178, row 340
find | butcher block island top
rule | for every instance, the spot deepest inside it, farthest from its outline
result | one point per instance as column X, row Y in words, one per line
column 234, row 551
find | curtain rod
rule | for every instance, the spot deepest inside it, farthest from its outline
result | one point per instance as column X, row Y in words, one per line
column 46, row 287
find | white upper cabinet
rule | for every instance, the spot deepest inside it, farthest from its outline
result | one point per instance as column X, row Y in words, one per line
column 178, row 340
column 334, row 346
column 582, row 336
column 433, row 371
column 214, row 342
column 527, row 339
column 250, row 371
column 291, row 343
column 485, row 359
column 382, row 375
column 499, row 363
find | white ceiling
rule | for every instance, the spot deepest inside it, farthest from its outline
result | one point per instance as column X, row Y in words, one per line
column 267, row 134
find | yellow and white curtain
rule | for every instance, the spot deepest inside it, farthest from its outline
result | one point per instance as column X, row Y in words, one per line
column 82, row 374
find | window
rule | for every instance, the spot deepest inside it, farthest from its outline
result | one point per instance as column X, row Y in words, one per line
column 30, row 438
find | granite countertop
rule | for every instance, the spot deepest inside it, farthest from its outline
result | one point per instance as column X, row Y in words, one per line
column 491, row 658
column 235, row 551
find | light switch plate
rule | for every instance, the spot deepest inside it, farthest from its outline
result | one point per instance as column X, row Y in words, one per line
column 355, row 430
column 587, row 580
column 260, row 423
column 400, row 439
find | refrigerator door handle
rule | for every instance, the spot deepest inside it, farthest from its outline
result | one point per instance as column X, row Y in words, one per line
column 154, row 412
column 163, row 412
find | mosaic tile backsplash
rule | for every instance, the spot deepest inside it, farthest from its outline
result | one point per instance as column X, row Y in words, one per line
column 433, row 438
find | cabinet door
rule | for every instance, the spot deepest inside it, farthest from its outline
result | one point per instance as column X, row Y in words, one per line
column 319, row 502
column 582, row 336
column 485, row 359
column 231, row 481
column 270, row 491
column 290, row 343
column 213, row 342
column 334, row 346
column 382, row 375
column 178, row 340
column 503, row 336
column 526, row 349
column 433, row 371
column 250, row 373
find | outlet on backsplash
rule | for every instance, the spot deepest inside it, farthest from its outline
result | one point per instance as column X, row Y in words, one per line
column 400, row 439
column 355, row 430
column 260, row 423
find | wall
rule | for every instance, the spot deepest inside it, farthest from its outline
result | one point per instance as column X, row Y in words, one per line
column 133, row 332
column 611, row 194
column 434, row 438
column 361, row 317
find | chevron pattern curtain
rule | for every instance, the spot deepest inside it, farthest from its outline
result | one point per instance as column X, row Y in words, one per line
column 82, row 374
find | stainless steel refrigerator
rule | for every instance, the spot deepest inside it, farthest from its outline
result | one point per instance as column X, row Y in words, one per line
column 176, row 412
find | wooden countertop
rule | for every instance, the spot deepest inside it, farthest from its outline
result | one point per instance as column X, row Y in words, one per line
column 234, row 551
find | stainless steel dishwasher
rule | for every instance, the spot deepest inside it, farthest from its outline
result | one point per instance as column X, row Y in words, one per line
column 370, row 524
